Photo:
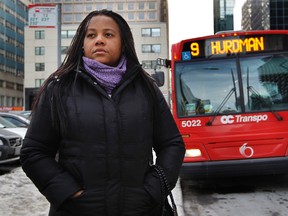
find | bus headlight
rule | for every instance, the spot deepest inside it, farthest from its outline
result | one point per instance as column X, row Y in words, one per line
column 193, row 153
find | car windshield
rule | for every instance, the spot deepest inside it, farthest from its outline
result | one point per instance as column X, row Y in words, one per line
column 16, row 119
column 6, row 124
column 216, row 86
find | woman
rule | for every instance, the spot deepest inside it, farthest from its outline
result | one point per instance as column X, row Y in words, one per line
column 94, row 124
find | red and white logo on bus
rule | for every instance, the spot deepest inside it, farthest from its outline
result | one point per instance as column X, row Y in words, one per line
column 246, row 151
column 230, row 119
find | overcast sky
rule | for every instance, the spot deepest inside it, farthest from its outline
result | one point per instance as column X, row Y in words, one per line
column 194, row 18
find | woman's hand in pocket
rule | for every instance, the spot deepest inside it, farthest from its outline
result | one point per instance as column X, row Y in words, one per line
column 77, row 194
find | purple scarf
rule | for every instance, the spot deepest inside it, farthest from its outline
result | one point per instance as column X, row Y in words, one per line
column 107, row 76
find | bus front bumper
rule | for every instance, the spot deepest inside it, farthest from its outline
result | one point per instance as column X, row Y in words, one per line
column 233, row 168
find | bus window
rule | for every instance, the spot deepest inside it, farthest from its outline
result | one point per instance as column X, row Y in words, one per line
column 265, row 81
column 206, row 87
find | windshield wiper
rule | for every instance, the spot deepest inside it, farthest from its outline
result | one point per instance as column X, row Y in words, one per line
column 233, row 90
column 276, row 114
column 234, row 86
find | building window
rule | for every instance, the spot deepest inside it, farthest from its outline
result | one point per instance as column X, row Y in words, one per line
column 99, row 6
column 10, row 25
column 40, row 34
column 19, row 44
column 19, row 87
column 14, row 101
column 130, row 16
column 2, row 100
column 39, row 82
column 68, row 33
column 141, row 5
column 141, row 16
column 120, row 6
column 146, row 32
column 78, row 17
column 39, row 66
column 130, row 6
column 39, row 50
column 67, row 8
column 67, row 18
column 89, row 7
column 10, row 55
column 9, row 85
column 19, row 102
column 9, row 101
column 110, row 6
column 78, row 8
column 151, row 32
column 151, row 48
column 155, row 32
column 149, row 64
column 2, row 21
column 152, row 15
column 152, row 5
column 19, row 31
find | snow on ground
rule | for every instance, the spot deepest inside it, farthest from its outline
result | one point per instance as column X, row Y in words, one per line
column 19, row 197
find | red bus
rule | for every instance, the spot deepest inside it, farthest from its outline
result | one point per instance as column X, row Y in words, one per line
column 230, row 102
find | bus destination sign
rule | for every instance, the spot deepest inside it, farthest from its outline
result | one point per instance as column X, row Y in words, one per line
column 235, row 45
column 216, row 47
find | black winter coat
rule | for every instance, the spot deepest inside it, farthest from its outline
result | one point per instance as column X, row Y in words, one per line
column 106, row 150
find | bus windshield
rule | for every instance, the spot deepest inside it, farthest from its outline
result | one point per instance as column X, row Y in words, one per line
column 232, row 85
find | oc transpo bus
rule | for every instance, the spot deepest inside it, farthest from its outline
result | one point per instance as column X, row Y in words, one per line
column 230, row 102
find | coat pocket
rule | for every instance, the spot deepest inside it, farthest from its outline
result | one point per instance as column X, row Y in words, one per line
column 138, row 202
column 89, row 203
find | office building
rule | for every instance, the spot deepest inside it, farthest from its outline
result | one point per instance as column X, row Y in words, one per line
column 223, row 15
column 13, row 18
column 148, row 21
column 265, row 14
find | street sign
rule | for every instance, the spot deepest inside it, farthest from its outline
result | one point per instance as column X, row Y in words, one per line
column 42, row 16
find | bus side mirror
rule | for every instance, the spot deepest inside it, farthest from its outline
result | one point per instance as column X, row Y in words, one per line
column 158, row 76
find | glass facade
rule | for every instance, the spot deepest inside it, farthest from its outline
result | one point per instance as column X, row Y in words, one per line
column 278, row 14
column 265, row 15
column 223, row 15
column 13, row 18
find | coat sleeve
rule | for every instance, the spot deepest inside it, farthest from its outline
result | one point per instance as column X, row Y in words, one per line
column 38, row 157
column 169, row 149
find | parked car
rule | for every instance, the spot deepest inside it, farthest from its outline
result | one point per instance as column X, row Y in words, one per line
column 6, row 125
column 10, row 146
column 16, row 119
column 26, row 113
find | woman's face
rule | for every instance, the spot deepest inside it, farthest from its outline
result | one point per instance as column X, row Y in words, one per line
column 102, row 40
